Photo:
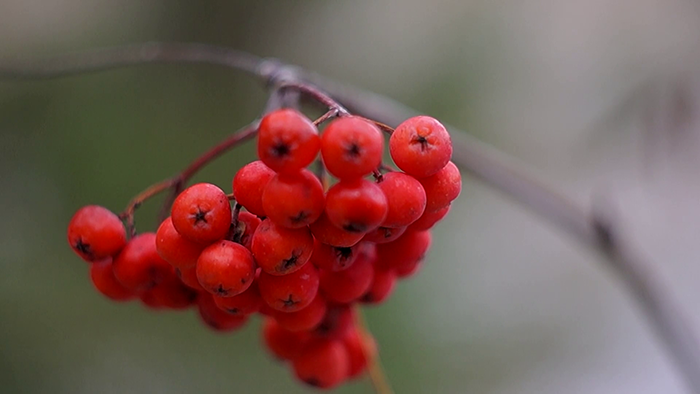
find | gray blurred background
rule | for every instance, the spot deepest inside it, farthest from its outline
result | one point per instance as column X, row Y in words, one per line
column 596, row 96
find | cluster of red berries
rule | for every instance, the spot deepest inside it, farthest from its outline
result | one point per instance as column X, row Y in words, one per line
column 294, row 248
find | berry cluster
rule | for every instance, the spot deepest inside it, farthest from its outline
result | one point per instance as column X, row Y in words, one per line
column 299, row 247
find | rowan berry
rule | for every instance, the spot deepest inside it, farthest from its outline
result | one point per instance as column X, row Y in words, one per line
column 429, row 219
column 294, row 200
column 305, row 319
column 350, row 284
column 279, row 250
column 95, row 233
column 337, row 322
column 247, row 224
column 408, row 270
column 292, row 292
column 225, row 268
column 177, row 250
column 202, row 213
column 356, row 205
column 361, row 349
column 442, row 187
column 284, row 344
column 383, row 282
column 406, row 251
column 138, row 266
column 188, row 276
column 327, row 233
column 287, row 141
column 322, row 363
column 215, row 318
column 420, row 146
column 351, row 147
column 245, row 303
column 382, row 235
column 333, row 258
column 104, row 281
column 171, row 293
column 405, row 199
column 249, row 183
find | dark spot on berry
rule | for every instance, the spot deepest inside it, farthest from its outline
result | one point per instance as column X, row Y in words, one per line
column 291, row 262
column 369, row 297
column 222, row 291
column 313, row 382
column 191, row 295
column 354, row 150
column 243, row 280
column 233, row 311
column 343, row 254
column 419, row 139
column 83, row 248
column 280, row 150
column 200, row 216
column 387, row 232
column 289, row 302
column 301, row 217
column 354, row 227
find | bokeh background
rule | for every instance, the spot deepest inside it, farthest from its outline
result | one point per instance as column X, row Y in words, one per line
column 597, row 97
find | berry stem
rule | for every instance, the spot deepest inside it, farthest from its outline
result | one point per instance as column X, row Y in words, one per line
column 330, row 114
column 374, row 364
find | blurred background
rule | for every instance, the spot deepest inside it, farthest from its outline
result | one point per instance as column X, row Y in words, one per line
column 598, row 97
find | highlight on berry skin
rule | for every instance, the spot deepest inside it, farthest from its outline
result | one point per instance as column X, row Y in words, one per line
column 315, row 228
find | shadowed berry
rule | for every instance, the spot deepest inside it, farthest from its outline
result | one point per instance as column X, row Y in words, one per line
column 139, row 266
column 292, row 292
column 96, row 233
column 279, row 250
column 177, row 250
column 202, row 213
column 294, row 200
column 225, row 268
column 357, row 206
column 249, row 183
column 104, row 281
column 323, row 363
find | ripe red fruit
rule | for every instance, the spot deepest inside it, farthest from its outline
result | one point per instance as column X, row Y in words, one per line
column 284, row 344
column 351, row 147
column 337, row 322
column 95, row 233
column 442, row 187
column 323, row 363
column 406, row 251
column 177, row 250
column 247, row 224
column 429, row 219
column 382, row 235
column 249, row 183
column 305, row 319
column 327, row 233
column 420, row 146
column 383, row 283
column 360, row 350
column 333, row 258
column 138, row 266
column 350, row 284
column 104, row 281
column 171, row 293
column 294, row 200
column 245, row 303
column 279, row 250
column 202, row 213
column 225, row 268
column 405, row 199
column 290, row 292
column 357, row 206
column 287, row 141
column 215, row 318
column 188, row 276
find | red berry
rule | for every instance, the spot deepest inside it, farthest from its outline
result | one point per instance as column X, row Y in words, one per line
column 96, row 233
column 337, row 322
column 382, row 235
column 408, row 270
column 279, row 250
column 215, row 318
column 406, row 251
column 202, row 213
column 323, row 363
column 285, row 345
column 249, row 183
column 326, row 232
column 245, row 303
column 294, row 200
column 138, row 266
column 333, row 258
column 356, row 206
column 420, row 146
column 171, row 293
column 225, row 268
column 247, row 224
column 429, row 219
column 287, row 141
column 305, row 319
column 350, row 284
column 104, row 281
column 442, row 187
column 177, row 250
column 360, row 350
column 188, row 276
column 383, row 283
column 290, row 292
column 405, row 199
column 351, row 147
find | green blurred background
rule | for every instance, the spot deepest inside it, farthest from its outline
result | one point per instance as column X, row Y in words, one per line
column 589, row 94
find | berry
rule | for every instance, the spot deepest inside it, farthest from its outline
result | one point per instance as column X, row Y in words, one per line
column 360, row 350
column 357, row 206
column 225, row 268
column 350, row 284
column 294, row 200
column 290, row 292
column 104, row 281
column 405, row 199
column 215, row 318
column 383, row 283
column 333, row 258
column 138, row 266
column 245, row 303
column 285, row 345
column 287, row 141
column 171, row 293
column 339, row 320
column 442, row 187
column 420, row 146
column 322, row 363
column 249, row 183
column 351, row 147
column 96, row 233
column 202, row 213
column 188, row 276
column 305, row 319
column 429, row 219
column 279, row 250
column 327, row 233
column 406, row 251
column 177, row 250
column 382, row 235
column 247, row 224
